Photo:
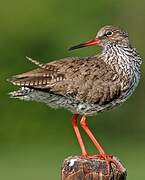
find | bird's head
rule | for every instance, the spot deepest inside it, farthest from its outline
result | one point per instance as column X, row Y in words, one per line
column 107, row 35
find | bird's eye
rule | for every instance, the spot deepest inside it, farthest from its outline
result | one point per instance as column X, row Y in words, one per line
column 109, row 33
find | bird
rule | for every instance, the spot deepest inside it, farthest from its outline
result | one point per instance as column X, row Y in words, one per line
column 85, row 85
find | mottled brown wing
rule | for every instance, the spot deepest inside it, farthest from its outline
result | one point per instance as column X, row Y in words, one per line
column 85, row 79
column 44, row 77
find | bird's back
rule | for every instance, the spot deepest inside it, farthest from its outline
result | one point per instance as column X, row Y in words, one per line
column 88, row 80
column 78, row 82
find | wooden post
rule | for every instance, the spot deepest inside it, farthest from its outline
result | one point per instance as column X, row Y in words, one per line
column 76, row 168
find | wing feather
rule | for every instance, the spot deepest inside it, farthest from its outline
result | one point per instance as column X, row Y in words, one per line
column 89, row 79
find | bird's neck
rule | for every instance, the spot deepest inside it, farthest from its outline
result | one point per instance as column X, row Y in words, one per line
column 123, row 58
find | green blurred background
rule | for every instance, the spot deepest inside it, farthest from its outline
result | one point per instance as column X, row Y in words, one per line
column 34, row 139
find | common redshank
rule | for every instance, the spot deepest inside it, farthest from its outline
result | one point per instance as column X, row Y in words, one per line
column 87, row 85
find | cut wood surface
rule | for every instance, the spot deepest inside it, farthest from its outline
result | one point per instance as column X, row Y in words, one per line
column 76, row 168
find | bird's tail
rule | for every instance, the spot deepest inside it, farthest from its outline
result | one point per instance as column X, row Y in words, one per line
column 23, row 91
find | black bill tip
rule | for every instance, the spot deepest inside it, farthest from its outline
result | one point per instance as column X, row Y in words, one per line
column 76, row 47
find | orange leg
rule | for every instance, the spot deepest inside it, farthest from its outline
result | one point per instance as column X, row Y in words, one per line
column 79, row 138
column 95, row 142
column 91, row 136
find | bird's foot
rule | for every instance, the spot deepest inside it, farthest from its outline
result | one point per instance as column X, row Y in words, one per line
column 108, row 159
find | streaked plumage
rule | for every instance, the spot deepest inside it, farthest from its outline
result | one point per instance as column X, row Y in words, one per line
column 85, row 85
